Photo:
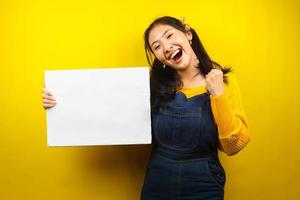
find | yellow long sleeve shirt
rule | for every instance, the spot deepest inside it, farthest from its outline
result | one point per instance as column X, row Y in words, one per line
column 229, row 116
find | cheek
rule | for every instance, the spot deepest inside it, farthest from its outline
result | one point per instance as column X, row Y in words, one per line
column 159, row 55
column 181, row 40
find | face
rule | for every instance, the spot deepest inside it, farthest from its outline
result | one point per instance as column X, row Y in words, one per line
column 171, row 46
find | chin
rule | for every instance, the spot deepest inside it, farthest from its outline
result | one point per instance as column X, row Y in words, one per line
column 181, row 67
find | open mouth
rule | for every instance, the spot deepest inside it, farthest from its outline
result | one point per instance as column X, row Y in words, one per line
column 177, row 55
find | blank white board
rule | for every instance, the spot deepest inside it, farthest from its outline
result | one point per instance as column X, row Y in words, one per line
column 108, row 106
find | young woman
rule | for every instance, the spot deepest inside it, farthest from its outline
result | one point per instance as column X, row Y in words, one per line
column 196, row 109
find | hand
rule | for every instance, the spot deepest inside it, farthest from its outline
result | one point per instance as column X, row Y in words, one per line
column 48, row 99
column 214, row 82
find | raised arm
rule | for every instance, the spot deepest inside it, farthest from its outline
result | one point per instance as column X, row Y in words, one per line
column 230, row 118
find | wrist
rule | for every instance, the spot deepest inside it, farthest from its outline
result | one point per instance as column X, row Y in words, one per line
column 219, row 93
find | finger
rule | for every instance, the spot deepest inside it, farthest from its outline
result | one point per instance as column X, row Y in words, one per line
column 208, row 80
column 49, row 101
column 47, row 92
column 216, row 70
column 44, row 96
column 219, row 72
column 47, row 106
column 210, row 74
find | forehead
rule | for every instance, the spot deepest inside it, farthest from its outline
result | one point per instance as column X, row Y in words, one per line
column 157, row 32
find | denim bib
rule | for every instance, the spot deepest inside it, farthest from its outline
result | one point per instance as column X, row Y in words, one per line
column 184, row 161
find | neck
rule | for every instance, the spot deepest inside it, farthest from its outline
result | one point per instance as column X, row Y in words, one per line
column 188, row 76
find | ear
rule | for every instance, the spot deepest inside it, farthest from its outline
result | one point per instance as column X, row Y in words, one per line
column 188, row 33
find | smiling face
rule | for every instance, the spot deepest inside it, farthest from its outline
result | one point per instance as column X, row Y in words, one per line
column 172, row 46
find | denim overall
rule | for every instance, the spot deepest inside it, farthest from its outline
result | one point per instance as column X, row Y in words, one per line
column 184, row 161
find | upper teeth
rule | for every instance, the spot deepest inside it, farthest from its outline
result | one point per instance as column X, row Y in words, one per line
column 174, row 53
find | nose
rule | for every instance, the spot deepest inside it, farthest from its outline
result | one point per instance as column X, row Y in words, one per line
column 168, row 48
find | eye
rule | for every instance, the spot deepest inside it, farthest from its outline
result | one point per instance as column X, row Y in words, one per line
column 157, row 47
column 169, row 35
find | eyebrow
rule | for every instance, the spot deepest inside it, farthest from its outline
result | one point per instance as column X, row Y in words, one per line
column 162, row 36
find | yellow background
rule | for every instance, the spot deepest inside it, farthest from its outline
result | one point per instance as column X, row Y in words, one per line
column 259, row 39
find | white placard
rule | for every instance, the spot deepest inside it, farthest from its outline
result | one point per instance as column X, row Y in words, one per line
column 108, row 106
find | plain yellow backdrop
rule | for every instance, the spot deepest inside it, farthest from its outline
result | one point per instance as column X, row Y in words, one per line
column 259, row 39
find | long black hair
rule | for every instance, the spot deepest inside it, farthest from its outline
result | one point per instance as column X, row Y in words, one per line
column 164, row 82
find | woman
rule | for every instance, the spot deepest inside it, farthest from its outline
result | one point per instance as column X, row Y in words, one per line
column 195, row 108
